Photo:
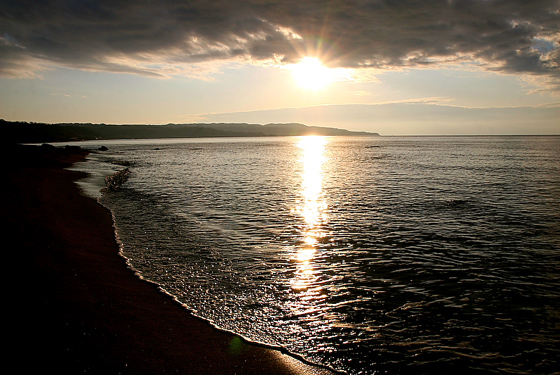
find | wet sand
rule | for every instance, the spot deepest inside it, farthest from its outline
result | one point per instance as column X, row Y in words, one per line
column 73, row 305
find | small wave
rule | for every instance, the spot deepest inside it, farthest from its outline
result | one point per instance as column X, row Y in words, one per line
column 124, row 163
column 115, row 181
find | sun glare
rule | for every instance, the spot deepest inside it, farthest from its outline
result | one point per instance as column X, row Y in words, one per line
column 311, row 74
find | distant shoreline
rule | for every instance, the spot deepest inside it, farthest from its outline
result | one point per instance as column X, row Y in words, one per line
column 30, row 132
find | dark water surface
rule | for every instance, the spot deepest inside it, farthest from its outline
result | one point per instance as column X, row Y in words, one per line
column 371, row 255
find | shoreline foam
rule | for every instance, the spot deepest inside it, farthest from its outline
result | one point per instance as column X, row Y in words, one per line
column 77, row 307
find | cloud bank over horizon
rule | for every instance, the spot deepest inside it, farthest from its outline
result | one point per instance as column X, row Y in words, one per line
column 410, row 118
column 166, row 38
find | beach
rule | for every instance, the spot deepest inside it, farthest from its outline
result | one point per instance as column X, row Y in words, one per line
column 73, row 304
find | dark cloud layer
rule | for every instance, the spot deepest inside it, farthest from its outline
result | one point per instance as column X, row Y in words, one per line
column 152, row 37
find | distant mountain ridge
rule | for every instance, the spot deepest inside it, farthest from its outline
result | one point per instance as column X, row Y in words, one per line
column 26, row 132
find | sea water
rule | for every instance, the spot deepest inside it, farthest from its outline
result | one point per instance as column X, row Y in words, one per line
column 365, row 254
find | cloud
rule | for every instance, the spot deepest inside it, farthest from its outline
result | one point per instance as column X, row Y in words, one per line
column 166, row 37
column 421, row 116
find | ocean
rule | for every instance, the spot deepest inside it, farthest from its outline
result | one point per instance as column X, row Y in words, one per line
column 369, row 255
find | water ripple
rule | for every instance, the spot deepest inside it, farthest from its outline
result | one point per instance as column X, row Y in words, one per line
column 419, row 255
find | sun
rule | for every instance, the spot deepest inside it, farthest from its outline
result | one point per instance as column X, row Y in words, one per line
column 311, row 74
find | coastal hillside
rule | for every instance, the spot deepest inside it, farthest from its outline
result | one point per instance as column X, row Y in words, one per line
column 26, row 132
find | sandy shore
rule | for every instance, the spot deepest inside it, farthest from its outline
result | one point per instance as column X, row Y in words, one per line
column 74, row 306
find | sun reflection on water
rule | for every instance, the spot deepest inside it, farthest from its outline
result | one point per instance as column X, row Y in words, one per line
column 312, row 208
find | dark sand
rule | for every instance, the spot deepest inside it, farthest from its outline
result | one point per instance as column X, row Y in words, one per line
column 72, row 304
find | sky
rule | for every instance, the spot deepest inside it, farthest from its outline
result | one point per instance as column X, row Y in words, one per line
column 396, row 67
